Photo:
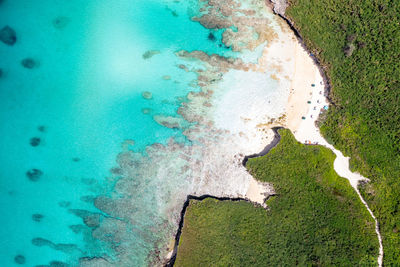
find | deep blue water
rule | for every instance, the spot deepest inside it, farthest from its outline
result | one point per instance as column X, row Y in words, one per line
column 82, row 100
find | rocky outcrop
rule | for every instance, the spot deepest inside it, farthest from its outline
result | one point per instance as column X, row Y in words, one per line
column 280, row 6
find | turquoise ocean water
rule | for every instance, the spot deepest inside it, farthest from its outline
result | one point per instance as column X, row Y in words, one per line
column 82, row 100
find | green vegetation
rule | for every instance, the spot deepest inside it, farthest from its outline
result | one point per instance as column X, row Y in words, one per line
column 316, row 218
column 358, row 43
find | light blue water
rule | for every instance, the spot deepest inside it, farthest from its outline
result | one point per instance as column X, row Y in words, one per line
column 87, row 93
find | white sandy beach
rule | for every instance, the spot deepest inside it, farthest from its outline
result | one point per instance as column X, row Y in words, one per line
column 308, row 101
column 244, row 109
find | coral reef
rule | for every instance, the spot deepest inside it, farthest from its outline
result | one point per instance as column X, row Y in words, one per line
column 29, row 63
column 37, row 217
column 35, row 141
column 19, row 259
column 60, row 22
column 34, row 174
column 8, row 35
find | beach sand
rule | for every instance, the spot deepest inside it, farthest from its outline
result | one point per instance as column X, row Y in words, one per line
column 308, row 86
column 300, row 89
column 258, row 191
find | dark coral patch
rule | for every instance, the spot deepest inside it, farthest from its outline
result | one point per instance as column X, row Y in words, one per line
column 34, row 174
column 90, row 219
column 58, row 264
column 64, row 204
column 19, row 259
column 211, row 37
column 60, row 22
column 29, row 63
column 40, row 242
column 8, row 35
column 34, row 141
column 37, row 217
column 41, row 128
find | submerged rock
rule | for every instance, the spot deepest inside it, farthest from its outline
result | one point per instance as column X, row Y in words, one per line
column 40, row 242
column 116, row 171
column 58, row 264
column 211, row 37
column 105, row 204
column 150, row 54
column 146, row 110
column 1, row 73
column 34, row 174
column 94, row 262
column 19, row 259
column 41, row 128
column 35, row 141
column 87, row 199
column 8, row 35
column 112, row 231
column 92, row 220
column 37, row 217
column 60, row 22
column 66, row 248
column 147, row 95
column 88, row 181
column 169, row 121
column 29, row 63
column 64, row 204
column 126, row 145
column 89, row 218
column 77, row 228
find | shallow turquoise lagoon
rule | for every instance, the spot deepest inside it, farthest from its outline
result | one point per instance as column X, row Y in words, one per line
column 83, row 99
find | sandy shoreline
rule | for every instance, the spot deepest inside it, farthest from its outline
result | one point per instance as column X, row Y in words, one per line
column 306, row 101
column 296, row 72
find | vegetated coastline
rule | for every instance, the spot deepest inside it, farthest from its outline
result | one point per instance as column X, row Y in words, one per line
column 314, row 209
column 341, row 162
column 358, row 42
column 279, row 7
column 275, row 141
column 171, row 261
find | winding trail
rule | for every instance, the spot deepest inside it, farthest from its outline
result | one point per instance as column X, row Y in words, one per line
column 305, row 132
column 308, row 133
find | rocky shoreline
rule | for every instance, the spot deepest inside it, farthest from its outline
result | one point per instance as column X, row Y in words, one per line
column 279, row 7
column 265, row 151
column 171, row 261
column 274, row 142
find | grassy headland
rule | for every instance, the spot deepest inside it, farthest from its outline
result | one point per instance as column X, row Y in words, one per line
column 315, row 219
column 358, row 44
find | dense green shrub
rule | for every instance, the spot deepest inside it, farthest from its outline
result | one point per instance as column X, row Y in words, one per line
column 365, row 121
column 316, row 218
